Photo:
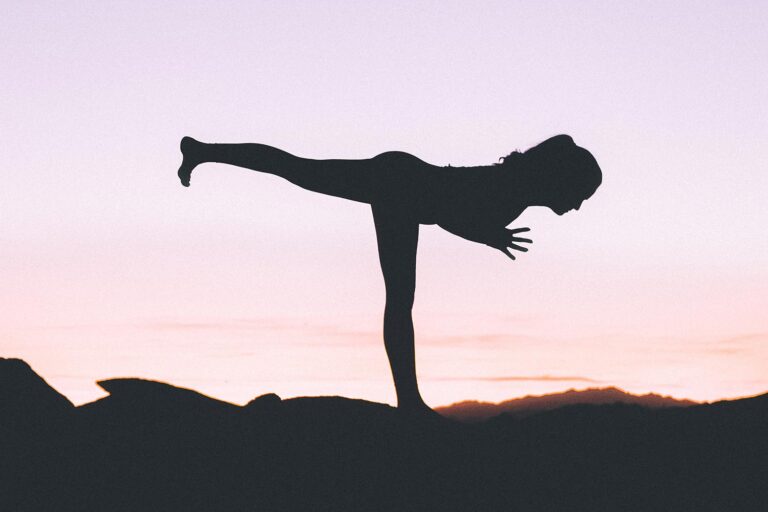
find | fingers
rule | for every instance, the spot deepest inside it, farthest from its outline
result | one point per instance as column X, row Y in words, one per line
column 513, row 238
column 517, row 239
column 506, row 251
column 513, row 242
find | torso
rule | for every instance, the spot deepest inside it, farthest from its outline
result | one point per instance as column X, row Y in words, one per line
column 446, row 194
column 472, row 194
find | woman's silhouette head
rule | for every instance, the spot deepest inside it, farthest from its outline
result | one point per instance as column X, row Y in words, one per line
column 562, row 175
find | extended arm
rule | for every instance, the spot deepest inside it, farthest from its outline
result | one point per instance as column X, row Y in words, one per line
column 499, row 238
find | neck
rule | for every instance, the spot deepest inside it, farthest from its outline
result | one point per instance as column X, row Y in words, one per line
column 528, row 188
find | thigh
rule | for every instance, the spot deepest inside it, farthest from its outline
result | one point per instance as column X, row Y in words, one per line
column 348, row 179
column 397, row 235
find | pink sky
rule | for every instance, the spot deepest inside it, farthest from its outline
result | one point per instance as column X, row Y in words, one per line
column 244, row 284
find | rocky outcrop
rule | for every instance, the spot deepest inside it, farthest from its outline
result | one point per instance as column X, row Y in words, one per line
column 26, row 399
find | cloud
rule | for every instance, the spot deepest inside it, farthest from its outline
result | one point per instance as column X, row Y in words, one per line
column 266, row 328
column 739, row 344
column 223, row 325
column 523, row 378
column 743, row 338
column 488, row 339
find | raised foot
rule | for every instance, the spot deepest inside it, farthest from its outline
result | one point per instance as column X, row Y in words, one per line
column 190, row 149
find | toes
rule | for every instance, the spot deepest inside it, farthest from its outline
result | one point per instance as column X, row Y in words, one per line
column 184, row 176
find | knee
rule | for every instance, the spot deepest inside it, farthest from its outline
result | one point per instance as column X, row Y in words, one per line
column 399, row 303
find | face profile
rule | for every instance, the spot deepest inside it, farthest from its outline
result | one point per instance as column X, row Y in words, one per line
column 567, row 174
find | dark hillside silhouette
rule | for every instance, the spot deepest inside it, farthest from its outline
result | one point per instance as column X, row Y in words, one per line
column 151, row 446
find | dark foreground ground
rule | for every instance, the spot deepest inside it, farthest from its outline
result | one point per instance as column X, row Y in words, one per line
column 153, row 447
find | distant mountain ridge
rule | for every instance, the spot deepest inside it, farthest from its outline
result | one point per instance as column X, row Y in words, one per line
column 474, row 411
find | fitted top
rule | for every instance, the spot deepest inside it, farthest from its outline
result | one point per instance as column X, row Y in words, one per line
column 466, row 196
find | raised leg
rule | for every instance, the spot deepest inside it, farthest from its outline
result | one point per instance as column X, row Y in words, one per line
column 348, row 179
column 398, row 236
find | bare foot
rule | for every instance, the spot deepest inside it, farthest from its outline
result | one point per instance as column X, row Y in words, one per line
column 420, row 412
column 190, row 149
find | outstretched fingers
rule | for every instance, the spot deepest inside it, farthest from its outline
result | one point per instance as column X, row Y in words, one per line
column 514, row 241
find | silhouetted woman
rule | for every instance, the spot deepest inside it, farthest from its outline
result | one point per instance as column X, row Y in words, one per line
column 475, row 203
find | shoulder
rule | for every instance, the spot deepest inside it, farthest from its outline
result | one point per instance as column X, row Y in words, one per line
column 483, row 176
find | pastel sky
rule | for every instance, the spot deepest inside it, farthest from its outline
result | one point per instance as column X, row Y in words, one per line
column 244, row 284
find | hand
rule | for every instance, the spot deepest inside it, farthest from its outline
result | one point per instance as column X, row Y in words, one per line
column 511, row 241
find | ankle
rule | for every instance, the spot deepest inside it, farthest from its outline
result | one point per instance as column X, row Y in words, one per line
column 412, row 404
column 193, row 149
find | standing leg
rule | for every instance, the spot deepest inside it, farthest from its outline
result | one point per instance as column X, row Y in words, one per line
column 398, row 236
column 348, row 179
